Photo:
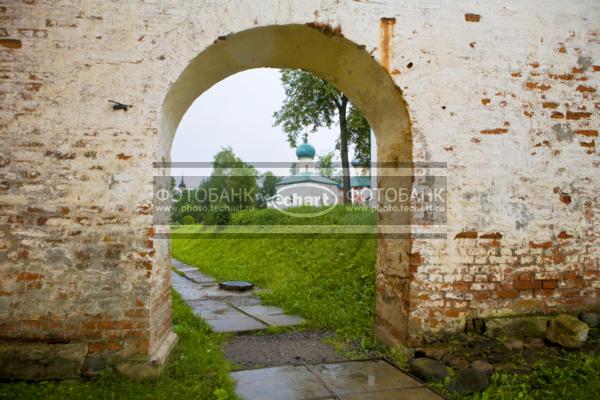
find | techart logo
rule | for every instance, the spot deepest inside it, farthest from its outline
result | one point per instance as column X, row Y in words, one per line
column 288, row 198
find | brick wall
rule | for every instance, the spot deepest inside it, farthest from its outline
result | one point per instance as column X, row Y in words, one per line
column 505, row 94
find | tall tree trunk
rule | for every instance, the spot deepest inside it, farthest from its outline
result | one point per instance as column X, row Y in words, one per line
column 344, row 150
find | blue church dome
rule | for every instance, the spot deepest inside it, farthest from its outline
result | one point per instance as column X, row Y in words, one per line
column 357, row 163
column 305, row 150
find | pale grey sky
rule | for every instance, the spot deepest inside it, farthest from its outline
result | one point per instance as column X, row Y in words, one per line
column 238, row 112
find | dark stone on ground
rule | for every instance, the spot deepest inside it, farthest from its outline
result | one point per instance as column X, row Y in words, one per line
column 513, row 344
column 483, row 366
column 457, row 362
column 481, row 344
column 283, row 349
column 437, row 352
column 428, row 369
column 469, row 380
column 591, row 319
column 500, row 357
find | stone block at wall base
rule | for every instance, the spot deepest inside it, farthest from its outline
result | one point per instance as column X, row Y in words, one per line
column 41, row 361
column 148, row 369
column 517, row 327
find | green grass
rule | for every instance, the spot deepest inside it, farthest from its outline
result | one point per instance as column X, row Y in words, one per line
column 195, row 370
column 577, row 379
column 330, row 282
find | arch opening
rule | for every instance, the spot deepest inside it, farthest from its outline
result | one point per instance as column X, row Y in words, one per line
column 350, row 68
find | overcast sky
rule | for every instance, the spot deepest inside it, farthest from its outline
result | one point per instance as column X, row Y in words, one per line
column 238, row 112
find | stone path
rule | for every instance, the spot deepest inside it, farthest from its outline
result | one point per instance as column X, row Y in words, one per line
column 227, row 311
column 352, row 380
column 223, row 310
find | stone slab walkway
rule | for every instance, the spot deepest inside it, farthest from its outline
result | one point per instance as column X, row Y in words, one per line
column 223, row 310
column 227, row 311
column 352, row 380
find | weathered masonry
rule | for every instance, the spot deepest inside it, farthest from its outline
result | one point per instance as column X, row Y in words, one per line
column 505, row 94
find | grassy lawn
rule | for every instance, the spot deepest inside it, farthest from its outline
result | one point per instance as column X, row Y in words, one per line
column 330, row 282
column 195, row 370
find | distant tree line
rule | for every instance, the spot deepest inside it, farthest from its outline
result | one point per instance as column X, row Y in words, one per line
column 232, row 186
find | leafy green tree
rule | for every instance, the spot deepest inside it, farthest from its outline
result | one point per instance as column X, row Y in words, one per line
column 232, row 186
column 233, row 183
column 312, row 103
column 267, row 187
column 325, row 166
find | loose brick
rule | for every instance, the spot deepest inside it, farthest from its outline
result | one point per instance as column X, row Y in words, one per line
column 469, row 17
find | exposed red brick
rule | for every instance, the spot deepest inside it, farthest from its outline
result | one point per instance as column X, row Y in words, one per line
column 543, row 292
column 527, row 285
column 585, row 89
column 565, row 198
column 29, row 276
column 557, row 115
column 587, row 132
column 11, row 43
column 415, row 259
column 462, row 286
column 452, row 313
column 472, row 17
column 563, row 77
column 123, row 156
column 549, row 284
column 588, row 144
column 507, row 294
column 516, row 74
column 570, row 276
column 562, row 50
column 96, row 347
column 113, row 346
column 542, row 245
column 466, row 235
column 481, row 295
column 537, row 86
column 578, row 115
column 496, row 131
column 564, row 235
column 88, row 325
column 493, row 235
column 549, row 104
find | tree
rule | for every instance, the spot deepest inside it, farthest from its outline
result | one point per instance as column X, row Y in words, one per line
column 267, row 187
column 325, row 166
column 233, row 183
column 312, row 103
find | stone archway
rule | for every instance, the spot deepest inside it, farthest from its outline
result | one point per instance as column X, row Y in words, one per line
column 323, row 51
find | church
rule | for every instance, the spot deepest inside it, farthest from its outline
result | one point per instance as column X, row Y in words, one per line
column 309, row 188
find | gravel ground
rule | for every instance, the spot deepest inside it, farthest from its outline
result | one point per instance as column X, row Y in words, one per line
column 256, row 351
